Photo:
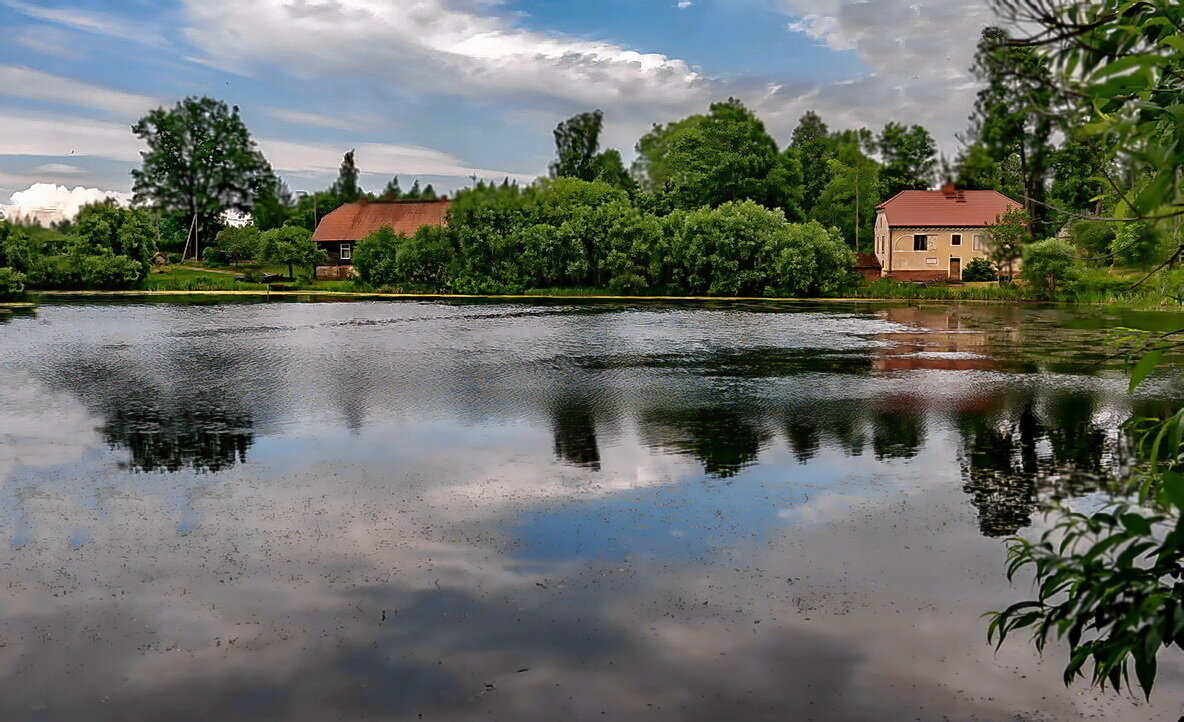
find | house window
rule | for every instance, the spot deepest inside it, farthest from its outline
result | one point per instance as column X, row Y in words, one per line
column 920, row 242
column 346, row 251
column 978, row 243
column 956, row 239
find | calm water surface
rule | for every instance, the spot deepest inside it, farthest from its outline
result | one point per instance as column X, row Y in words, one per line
column 284, row 511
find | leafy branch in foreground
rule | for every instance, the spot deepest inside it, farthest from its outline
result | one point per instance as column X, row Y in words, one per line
column 1111, row 583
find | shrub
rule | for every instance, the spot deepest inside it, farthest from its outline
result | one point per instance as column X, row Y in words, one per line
column 1137, row 244
column 58, row 271
column 1094, row 237
column 212, row 256
column 979, row 269
column 1049, row 266
column 12, row 283
column 110, row 272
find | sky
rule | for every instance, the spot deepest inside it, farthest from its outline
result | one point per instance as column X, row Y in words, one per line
column 443, row 90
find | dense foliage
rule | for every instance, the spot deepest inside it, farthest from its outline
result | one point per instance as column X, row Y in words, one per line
column 572, row 233
column 201, row 162
column 1111, row 583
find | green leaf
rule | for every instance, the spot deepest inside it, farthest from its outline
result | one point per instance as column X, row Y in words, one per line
column 1146, row 365
column 1173, row 487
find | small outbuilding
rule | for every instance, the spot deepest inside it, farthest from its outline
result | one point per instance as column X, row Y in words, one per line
column 932, row 235
column 338, row 232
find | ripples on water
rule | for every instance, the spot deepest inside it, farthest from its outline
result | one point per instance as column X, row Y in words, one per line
column 474, row 511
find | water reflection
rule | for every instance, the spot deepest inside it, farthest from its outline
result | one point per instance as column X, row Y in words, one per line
column 527, row 512
column 1029, row 451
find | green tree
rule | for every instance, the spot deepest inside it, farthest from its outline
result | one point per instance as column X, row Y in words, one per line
column 1007, row 237
column 200, row 162
column 392, row 191
column 577, row 142
column 1049, row 266
column 910, row 158
column 707, row 160
column 849, row 200
column 1109, row 582
column 12, row 283
column 977, row 169
column 273, row 204
column 106, row 228
column 346, row 186
column 812, row 143
column 1012, row 114
column 291, row 246
column 240, row 244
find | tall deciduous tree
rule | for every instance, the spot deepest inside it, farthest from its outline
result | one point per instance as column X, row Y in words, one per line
column 1012, row 115
column 578, row 154
column 707, row 160
column 812, row 143
column 577, row 141
column 910, row 157
column 200, row 162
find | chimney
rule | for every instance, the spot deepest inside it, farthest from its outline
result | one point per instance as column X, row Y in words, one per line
column 949, row 190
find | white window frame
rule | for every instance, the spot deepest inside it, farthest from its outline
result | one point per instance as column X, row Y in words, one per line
column 346, row 252
column 976, row 243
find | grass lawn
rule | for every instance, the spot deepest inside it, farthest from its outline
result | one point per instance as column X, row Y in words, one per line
column 190, row 277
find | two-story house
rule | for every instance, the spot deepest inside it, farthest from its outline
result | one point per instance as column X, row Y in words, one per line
column 932, row 235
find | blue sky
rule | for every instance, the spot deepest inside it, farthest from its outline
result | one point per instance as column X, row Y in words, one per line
column 445, row 89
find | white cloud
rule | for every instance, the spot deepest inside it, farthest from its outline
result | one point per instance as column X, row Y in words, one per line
column 91, row 22
column 62, row 136
column 58, row 136
column 381, row 158
column 48, row 203
column 437, row 45
column 314, row 120
column 684, row 4
column 918, row 53
column 23, row 82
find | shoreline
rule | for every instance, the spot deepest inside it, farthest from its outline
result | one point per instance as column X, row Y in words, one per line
column 522, row 296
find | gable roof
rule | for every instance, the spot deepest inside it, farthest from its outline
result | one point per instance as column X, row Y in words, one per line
column 948, row 207
column 355, row 221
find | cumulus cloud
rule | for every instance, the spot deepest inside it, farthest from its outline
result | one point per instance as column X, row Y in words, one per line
column 918, row 53
column 47, row 203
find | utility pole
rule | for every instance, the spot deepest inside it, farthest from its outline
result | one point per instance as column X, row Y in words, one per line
column 857, row 207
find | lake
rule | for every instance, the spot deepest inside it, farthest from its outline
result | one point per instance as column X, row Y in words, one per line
column 540, row 511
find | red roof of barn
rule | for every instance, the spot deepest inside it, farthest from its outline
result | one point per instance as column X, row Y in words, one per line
column 948, row 207
column 355, row 221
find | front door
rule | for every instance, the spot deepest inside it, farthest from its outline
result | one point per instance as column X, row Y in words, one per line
column 955, row 269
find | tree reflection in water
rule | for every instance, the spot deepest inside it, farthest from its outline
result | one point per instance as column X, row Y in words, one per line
column 573, row 423
column 197, row 434
column 1026, row 454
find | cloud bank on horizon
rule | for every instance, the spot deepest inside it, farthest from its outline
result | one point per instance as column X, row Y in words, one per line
column 447, row 89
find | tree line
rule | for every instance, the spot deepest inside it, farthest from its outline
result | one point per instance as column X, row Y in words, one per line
column 705, row 170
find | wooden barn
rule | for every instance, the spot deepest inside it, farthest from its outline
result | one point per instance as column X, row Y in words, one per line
column 338, row 232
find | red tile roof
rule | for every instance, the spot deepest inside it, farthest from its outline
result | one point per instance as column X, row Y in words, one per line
column 355, row 221
column 948, row 207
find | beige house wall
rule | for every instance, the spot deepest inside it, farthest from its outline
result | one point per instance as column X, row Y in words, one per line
column 894, row 247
